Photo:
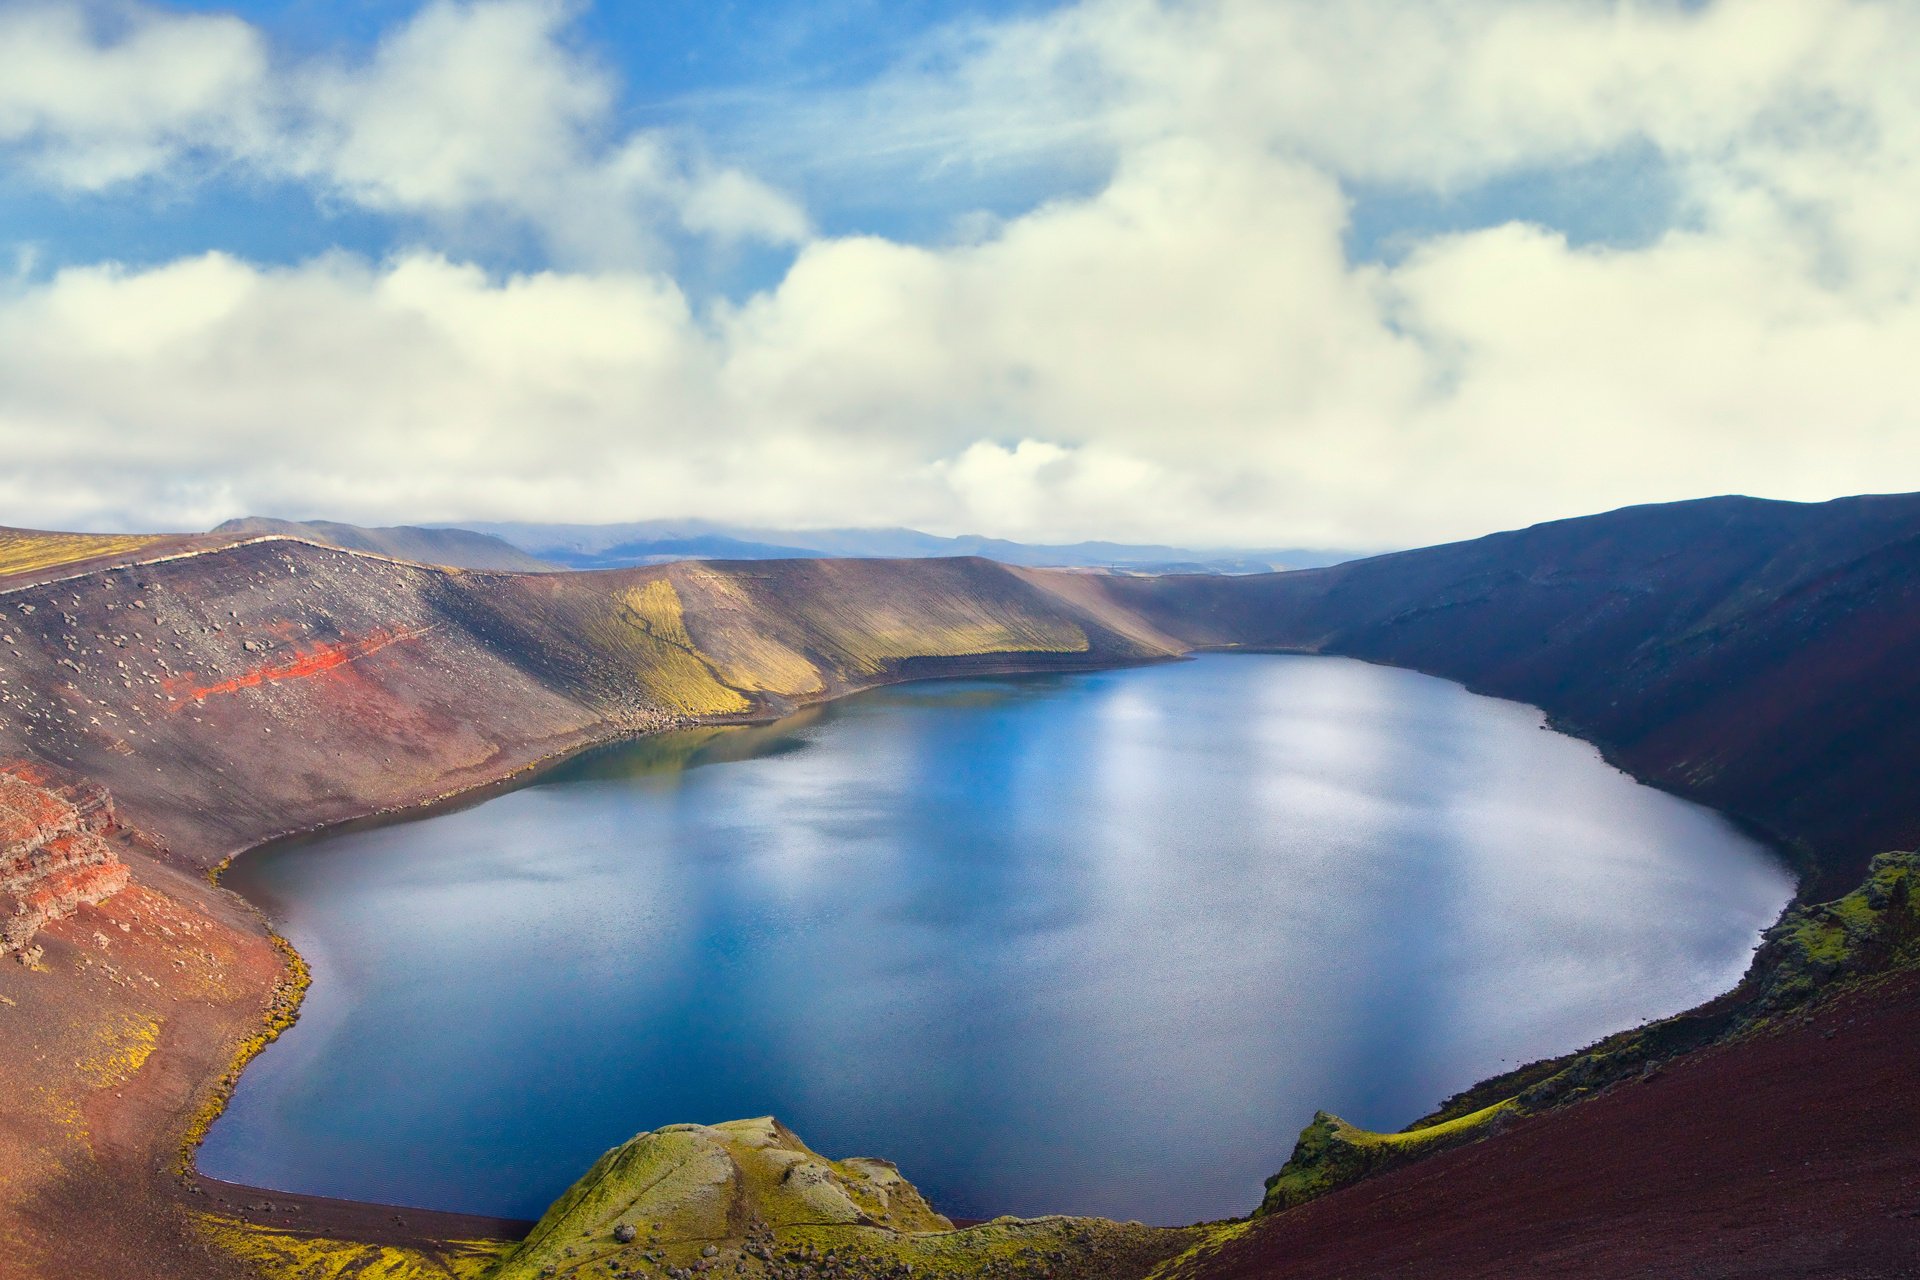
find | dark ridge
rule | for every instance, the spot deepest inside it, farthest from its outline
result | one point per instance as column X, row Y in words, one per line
column 1759, row 657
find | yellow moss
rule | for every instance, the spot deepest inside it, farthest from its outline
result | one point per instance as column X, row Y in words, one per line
column 288, row 1255
column 1459, row 1126
column 965, row 639
column 762, row 664
column 22, row 551
column 282, row 1011
column 121, row 1047
column 939, row 625
column 753, row 1185
column 647, row 625
column 1212, row 1238
column 1332, row 1153
column 735, row 641
column 124, row 1047
column 786, row 631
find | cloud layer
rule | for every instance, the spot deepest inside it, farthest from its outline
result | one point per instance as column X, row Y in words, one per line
column 1187, row 352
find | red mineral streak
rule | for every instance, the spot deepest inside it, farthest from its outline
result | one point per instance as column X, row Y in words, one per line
column 52, row 858
column 303, row 665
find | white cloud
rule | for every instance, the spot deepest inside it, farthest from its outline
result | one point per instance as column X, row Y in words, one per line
column 471, row 110
column 86, row 112
column 1184, row 354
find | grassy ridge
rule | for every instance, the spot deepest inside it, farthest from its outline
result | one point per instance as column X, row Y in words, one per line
column 31, row 550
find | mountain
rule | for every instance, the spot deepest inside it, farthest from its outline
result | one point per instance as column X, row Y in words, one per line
column 1761, row 657
column 609, row 546
column 455, row 548
column 1757, row 656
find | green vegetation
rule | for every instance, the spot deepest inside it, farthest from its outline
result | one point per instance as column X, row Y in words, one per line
column 646, row 624
column 1814, row 953
column 291, row 1255
column 778, row 628
column 1332, row 1153
column 752, row 1198
column 1824, row 945
column 283, row 1010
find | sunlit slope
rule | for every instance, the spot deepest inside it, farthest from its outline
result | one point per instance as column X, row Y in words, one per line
column 750, row 1198
column 235, row 693
column 25, row 551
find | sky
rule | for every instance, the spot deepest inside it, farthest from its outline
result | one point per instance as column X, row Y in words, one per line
column 1363, row 274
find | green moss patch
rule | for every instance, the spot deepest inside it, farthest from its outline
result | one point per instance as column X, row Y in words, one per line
column 1814, row 952
column 750, row 1198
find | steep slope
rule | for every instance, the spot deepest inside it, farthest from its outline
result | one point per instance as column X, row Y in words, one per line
column 1787, row 1154
column 270, row 686
column 455, row 548
column 228, row 691
column 54, row 858
column 1760, row 657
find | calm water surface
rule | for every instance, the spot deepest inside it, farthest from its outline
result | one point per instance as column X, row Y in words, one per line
column 1096, row 944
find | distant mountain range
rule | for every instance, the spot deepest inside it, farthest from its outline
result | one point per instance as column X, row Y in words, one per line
column 460, row 548
column 610, row 546
column 532, row 548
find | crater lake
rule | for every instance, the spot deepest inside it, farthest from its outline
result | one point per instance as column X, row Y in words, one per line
column 1092, row 944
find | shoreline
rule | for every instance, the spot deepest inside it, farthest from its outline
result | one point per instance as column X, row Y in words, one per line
column 348, row 1214
column 367, row 1221
column 289, row 995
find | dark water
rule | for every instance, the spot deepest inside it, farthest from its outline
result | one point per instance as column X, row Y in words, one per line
column 1096, row 944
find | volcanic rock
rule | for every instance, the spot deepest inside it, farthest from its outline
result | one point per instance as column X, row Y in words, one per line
column 52, row 857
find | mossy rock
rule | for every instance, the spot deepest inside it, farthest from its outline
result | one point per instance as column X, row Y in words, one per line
column 1331, row 1153
column 1871, row 929
column 1814, row 951
column 750, row 1198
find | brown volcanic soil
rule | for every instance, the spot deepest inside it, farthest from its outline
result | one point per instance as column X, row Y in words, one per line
column 228, row 695
column 105, row 1059
column 1757, row 656
column 1791, row 1154
column 267, row 687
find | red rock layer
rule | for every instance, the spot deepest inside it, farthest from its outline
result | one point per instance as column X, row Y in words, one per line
column 52, row 857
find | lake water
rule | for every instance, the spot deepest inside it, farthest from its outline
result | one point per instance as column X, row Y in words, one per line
column 1094, row 943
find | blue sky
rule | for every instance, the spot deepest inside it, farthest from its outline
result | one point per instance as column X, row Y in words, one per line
column 717, row 74
column 1223, row 271
column 709, row 72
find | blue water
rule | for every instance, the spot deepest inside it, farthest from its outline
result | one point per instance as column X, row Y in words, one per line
column 1094, row 944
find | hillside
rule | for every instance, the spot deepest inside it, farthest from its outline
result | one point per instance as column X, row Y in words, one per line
column 455, row 548
column 1758, row 656
column 273, row 685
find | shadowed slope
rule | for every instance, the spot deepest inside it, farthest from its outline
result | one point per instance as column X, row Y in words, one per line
column 1760, row 657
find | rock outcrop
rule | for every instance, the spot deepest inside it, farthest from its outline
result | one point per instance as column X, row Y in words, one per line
column 750, row 1198
column 53, row 858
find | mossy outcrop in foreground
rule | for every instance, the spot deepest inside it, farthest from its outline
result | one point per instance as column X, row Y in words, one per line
column 1332, row 1153
column 750, row 1198
column 1813, row 953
